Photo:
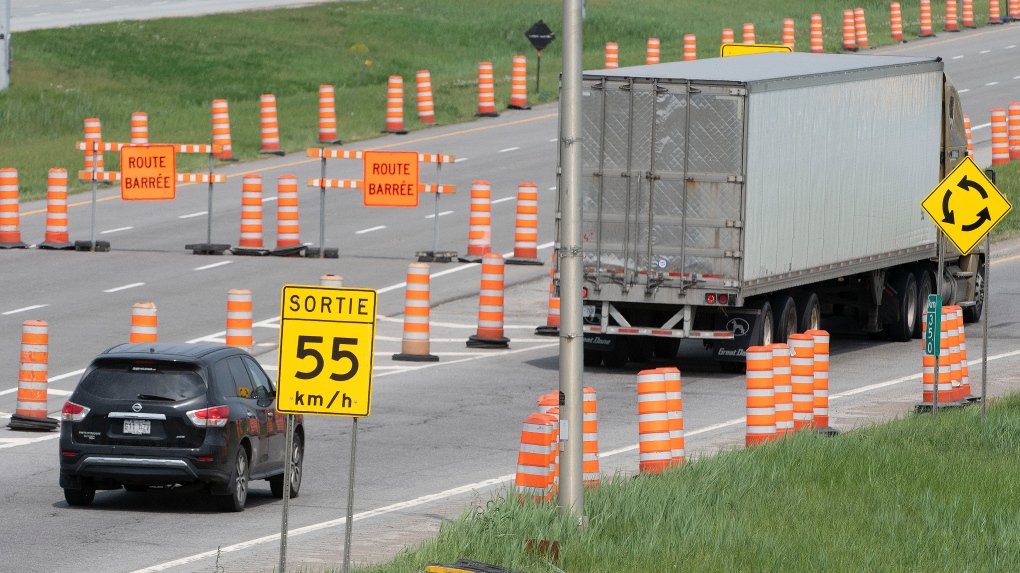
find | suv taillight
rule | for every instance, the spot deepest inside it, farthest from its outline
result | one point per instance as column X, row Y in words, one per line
column 215, row 417
column 73, row 412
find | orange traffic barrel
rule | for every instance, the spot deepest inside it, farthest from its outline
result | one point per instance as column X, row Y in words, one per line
column 144, row 322
column 239, row 319
column 490, row 305
column 964, row 365
column 952, row 24
column 221, row 129
column 849, row 31
column 414, row 346
column 31, row 408
column 552, row 316
column 270, row 125
column 789, row 39
column 10, row 217
column 93, row 144
column 288, row 223
column 727, row 36
column 926, row 30
column 590, row 459
column 967, row 14
column 327, row 115
column 895, row 21
column 1000, row 137
column 690, row 47
column 970, row 136
column 802, row 377
column 860, row 29
column 395, row 105
column 784, row 388
column 652, row 49
column 139, row 127
column 954, row 317
column 479, row 221
column 519, row 84
column 547, row 402
column 331, row 280
column 526, row 232
column 994, row 15
column 486, row 91
column 821, row 356
column 251, row 212
column 1013, row 129
column 423, row 89
column 534, row 458
column 612, row 60
column 761, row 397
column 1014, row 9
column 748, row 33
column 675, row 415
column 56, row 211
column 817, row 43
column 655, row 450
column 945, row 384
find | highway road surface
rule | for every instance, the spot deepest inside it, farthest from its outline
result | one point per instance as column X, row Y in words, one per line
column 441, row 435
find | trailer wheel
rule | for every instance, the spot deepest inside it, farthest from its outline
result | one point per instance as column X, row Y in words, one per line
column 592, row 358
column 641, row 349
column 666, row 348
column 924, row 289
column 972, row 314
column 809, row 311
column 902, row 329
column 763, row 326
column 786, row 321
column 617, row 357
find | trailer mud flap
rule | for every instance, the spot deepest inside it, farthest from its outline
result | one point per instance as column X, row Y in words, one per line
column 599, row 342
column 746, row 329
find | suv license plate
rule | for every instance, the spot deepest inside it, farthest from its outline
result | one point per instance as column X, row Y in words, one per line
column 138, row 427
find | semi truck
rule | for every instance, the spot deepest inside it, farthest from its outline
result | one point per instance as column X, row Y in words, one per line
column 739, row 200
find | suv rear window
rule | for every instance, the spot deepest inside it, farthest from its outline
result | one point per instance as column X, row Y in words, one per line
column 146, row 380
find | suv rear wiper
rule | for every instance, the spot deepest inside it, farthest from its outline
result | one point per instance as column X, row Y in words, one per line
column 155, row 397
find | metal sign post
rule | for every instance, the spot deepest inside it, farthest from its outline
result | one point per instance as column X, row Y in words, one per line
column 984, row 326
column 540, row 36
column 435, row 227
column 287, row 476
column 5, row 44
column 95, row 188
column 350, row 499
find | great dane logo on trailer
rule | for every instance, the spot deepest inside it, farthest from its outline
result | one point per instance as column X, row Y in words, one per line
column 738, row 326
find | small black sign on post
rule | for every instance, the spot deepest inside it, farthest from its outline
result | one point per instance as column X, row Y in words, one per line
column 540, row 36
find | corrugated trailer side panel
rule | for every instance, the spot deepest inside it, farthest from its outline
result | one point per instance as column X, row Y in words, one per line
column 836, row 172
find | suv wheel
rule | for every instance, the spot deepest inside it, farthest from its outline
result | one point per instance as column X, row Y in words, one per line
column 297, row 457
column 238, row 485
column 79, row 497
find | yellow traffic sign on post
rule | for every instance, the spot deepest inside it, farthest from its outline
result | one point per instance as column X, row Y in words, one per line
column 327, row 338
column 966, row 205
column 732, row 49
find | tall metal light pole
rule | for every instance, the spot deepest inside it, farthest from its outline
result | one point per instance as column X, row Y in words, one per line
column 571, row 499
column 5, row 44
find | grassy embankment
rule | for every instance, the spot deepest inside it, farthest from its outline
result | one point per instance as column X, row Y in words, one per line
column 918, row 494
column 173, row 68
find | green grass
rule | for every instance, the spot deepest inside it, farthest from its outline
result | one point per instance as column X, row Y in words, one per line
column 917, row 494
column 173, row 68
column 1007, row 179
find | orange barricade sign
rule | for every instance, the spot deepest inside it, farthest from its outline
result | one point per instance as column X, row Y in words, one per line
column 391, row 178
column 148, row 172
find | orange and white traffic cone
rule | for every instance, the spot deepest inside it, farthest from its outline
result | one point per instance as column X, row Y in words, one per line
column 675, row 416
column 821, row 398
column 30, row 413
column 802, row 376
column 414, row 346
column 652, row 49
column 784, row 388
column 288, row 222
column 327, row 115
column 964, row 364
column 952, row 23
column 526, row 233
column 612, row 60
column 395, row 106
column 690, row 47
column 849, row 31
column 552, row 317
column 250, row 241
column 970, row 137
column 270, row 125
column 1013, row 129
column 761, row 397
column 144, row 323
column 967, row 14
column 895, row 21
column 331, row 280
column 10, row 217
column 727, row 36
column 519, row 84
column 1014, row 9
column 56, row 211
column 817, row 41
column 139, row 127
column 423, row 87
column 926, row 19
column 748, row 33
column 955, row 318
column 994, row 15
column 590, row 459
column 1000, row 138
column 860, row 29
column 479, row 223
column 93, row 144
column 789, row 39
column 221, row 130
column 490, row 306
column 239, row 319
column 655, row 450
column 533, row 479
column 486, row 91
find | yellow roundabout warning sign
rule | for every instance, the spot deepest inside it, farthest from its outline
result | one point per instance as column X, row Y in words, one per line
column 966, row 205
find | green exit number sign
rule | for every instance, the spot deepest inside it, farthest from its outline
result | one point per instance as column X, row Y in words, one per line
column 933, row 325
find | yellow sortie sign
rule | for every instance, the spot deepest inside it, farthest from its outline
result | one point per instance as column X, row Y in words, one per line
column 327, row 338
column 966, row 205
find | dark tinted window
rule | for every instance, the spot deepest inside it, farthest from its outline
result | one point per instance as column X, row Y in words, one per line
column 148, row 380
column 241, row 379
column 262, row 384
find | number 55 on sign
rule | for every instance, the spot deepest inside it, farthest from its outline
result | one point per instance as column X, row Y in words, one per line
column 327, row 338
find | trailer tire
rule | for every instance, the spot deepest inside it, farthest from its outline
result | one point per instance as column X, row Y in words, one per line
column 905, row 285
column 809, row 311
column 592, row 358
column 924, row 289
column 641, row 349
column 763, row 326
column 666, row 348
column 786, row 319
column 972, row 314
column 617, row 357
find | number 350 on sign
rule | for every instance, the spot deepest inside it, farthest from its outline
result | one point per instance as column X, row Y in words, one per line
column 327, row 337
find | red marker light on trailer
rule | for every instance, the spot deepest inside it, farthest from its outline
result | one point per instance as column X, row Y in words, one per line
column 584, row 292
column 723, row 298
column 710, row 298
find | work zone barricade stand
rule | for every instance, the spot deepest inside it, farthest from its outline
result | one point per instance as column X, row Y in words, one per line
column 376, row 162
column 139, row 186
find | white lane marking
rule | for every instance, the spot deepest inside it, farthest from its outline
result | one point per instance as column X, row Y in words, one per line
column 125, row 287
column 268, row 199
column 214, row 265
column 992, row 84
column 116, row 230
column 553, row 140
column 369, row 230
column 14, row 442
column 433, row 216
column 509, row 149
column 984, row 51
column 459, row 159
column 1010, row 47
column 42, row 14
column 199, row 214
column 1016, row 77
column 552, row 188
column 24, row 309
column 957, row 57
column 963, row 91
column 503, row 199
column 51, row 379
column 982, row 126
column 83, row 10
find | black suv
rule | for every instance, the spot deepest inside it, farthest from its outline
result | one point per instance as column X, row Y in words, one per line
column 154, row 414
